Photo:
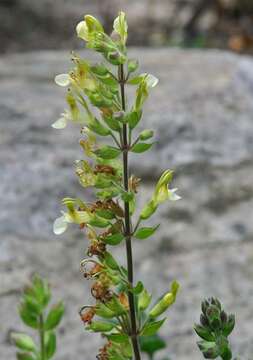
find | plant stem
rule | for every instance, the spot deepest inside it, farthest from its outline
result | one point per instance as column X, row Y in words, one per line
column 134, row 335
column 42, row 338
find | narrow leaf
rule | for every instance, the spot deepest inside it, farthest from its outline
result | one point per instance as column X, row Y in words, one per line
column 152, row 328
column 145, row 232
column 108, row 152
column 50, row 344
column 141, row 147
column 25, row 356
column 114, row 239
column 54, row 317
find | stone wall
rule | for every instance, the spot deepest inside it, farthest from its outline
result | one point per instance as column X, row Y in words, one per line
column 202, row 112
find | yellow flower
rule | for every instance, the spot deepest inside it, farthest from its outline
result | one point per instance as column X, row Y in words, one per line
column 86, row 28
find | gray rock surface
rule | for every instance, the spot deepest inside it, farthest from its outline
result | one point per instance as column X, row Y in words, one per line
column 202, row 112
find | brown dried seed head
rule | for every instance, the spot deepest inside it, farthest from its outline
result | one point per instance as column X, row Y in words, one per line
column 88, row 315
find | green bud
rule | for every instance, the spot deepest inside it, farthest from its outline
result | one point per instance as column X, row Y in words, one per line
column 204, row 306
column 120, row 26
column 132, row 65
column 93, row 24
column 99, row 326
column 146, row 134
column 166, row 301
column 148, row 210
column 204, row 333
column 115, row 57
column 229, row 325
column 23, row 342
column 203, row 320
column 144, row 300
column 223, row 317
column 213, row 315
column 103, row 311
column 120, row 116
column 209, row 349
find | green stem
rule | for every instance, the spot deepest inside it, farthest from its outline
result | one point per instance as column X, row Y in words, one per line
column 132, row 309
column 42, row 338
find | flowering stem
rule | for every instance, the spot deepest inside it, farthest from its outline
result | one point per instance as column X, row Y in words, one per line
column 42, row 338
column 134, row 335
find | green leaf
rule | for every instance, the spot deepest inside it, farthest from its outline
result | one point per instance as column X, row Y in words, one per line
column 29, row 318
column 152, row 344
column 144, row 300
column 97, row 221
column 23, row 342
column 151, row 328
column 103, row 311
column 108, row 152
column 110, row 261
column 127, row 196
column 41, row 290
column 32, row 305
column 133, row 118
column 115, row 305
column 127, row 350
column 135, row 80
column 138, row 288
column 145, row 232
column 150, row 80
column 106, row 214
column 54, row 316
column 99, row 326
column 114, row 239
column 50, row 344
column 98, row 128
column 112, row 123
column 118, row 338
column 25, row 356
column 141, row 147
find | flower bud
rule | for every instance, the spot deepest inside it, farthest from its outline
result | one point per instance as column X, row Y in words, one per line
column 148, row 210
column 165, row 302
column 132, row 65
column 146, row 134
column 93, row 24
column 99, row 326
column 82, row 30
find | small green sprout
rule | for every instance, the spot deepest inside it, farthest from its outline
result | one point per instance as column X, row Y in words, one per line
column 33, row 312
column 214, row 328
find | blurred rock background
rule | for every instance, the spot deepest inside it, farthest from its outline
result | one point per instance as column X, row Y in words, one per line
column 202, row 112
column 27, row 24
